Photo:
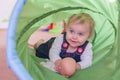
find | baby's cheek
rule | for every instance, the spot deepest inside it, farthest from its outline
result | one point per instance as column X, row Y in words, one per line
column 81, row 42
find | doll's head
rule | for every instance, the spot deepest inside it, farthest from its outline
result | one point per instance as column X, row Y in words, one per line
column 80, row 28
column 68, row 67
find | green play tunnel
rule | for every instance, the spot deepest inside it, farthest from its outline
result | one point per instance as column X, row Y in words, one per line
column 36, row 13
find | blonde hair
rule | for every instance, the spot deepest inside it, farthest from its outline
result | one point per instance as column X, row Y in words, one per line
column 82, row 18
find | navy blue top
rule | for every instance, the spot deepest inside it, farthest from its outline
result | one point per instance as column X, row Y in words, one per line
column 75, row 55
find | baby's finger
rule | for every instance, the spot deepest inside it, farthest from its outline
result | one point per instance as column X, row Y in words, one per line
column 56, row 68
column 59, row 68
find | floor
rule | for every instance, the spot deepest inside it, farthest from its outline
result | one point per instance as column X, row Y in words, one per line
column 5, row 72
column 6, row 7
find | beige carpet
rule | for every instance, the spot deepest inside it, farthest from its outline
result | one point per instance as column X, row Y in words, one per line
column 5, row 72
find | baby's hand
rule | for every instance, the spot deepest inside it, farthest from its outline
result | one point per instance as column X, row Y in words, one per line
column 58, row 65
column 77, row 66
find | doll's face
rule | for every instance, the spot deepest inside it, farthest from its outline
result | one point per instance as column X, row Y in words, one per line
column 68, row 67
column 77, row 34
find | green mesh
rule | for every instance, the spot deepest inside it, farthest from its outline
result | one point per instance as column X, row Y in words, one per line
column 106, row 55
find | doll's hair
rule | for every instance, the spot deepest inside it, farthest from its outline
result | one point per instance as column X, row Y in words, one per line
column 82, row 18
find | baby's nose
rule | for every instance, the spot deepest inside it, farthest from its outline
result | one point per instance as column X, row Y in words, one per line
column 75, row 36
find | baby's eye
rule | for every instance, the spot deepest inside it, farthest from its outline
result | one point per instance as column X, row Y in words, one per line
column 71, row 31
column 80, row 34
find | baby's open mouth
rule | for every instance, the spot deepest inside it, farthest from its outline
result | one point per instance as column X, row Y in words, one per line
column 73, row 41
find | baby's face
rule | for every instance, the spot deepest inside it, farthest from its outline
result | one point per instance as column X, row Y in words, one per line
column 68, row 67
column 77, row 34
